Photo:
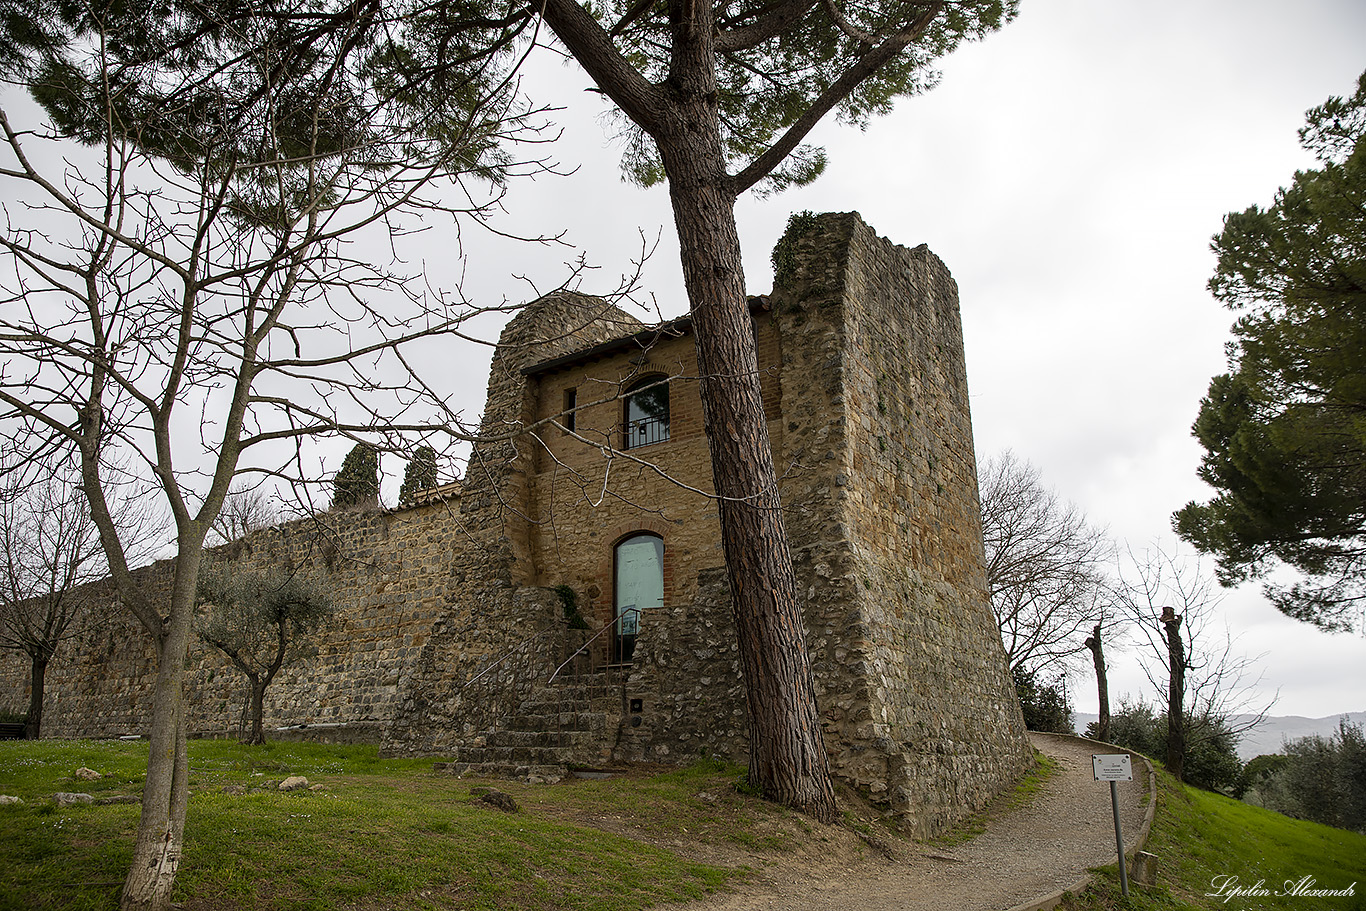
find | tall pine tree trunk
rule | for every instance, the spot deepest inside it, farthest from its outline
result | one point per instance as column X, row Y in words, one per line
column 787, row 751
column 788, row 762
column 33, row 727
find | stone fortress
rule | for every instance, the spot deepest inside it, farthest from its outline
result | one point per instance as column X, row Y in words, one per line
column 566, row 606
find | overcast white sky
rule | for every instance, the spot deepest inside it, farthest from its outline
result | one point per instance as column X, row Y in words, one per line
column 1070, row 170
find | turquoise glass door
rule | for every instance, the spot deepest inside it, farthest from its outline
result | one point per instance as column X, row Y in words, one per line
column 639, row 586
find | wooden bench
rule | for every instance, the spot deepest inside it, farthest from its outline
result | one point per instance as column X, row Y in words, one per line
column 11, row 730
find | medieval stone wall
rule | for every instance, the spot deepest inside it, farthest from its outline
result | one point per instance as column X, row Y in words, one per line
column 688, row 682
column 389, row 574
column 427, row 596
column 439, row 706
column 448, row 621
column 928, row 719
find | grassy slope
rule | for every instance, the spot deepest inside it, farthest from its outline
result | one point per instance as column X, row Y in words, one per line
column 378, row 834
column 1202, row 840
column 389, row 834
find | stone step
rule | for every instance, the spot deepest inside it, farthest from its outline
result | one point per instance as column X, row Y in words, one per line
column 574, row 721
column 541, row 738
column 534, row 773
column 550, row 703
column 573, row 695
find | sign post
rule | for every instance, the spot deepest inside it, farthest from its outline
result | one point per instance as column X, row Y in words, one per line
column 1113, row 767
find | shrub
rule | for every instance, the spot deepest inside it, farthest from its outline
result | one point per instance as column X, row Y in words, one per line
column 1045, row 705
column 1321, row 779
column 1211, row 760
column 357, row 483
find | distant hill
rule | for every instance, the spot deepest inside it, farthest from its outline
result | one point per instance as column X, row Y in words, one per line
column 1268, row 736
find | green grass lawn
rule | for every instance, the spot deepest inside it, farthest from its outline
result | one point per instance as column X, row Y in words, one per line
column 1206, row 843
column 384, row 835
column 377, row 834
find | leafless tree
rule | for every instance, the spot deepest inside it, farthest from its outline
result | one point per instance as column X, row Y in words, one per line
column 245, row 510
column 193, row 279
column 49, row 549
column 1095, row 643
column 1045, row 565
column 1171, row 605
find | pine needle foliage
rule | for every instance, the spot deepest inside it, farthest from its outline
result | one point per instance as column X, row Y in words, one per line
column 1284, row 430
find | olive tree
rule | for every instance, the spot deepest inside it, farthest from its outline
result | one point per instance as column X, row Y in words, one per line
column 261, row 621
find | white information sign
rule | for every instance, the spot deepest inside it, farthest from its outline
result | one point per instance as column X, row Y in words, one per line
column 1112, row 766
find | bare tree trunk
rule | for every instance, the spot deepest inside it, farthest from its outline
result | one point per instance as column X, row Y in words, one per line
column 33, row 727
column 1176, row 693
column 1102, row 684
column 165, row 795
column 788, row 762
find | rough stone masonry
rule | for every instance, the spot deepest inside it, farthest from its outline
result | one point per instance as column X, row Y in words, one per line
column 454, row 616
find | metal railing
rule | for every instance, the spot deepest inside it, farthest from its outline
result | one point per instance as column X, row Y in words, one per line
column 583, row 649
column 644, row 431
column 516, row 681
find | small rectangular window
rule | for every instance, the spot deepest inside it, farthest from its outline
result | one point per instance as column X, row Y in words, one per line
column 647, row 412
column 571, row 401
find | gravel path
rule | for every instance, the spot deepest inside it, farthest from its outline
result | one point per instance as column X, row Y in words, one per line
column 1025, row 853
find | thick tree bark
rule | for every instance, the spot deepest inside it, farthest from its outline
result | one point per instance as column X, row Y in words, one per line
column 787, row 750
column 1102, row 684
column 165, row 795
column 1176, row 693
column 33, row 727
column 788, row 762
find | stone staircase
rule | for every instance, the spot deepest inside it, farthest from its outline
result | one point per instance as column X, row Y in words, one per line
column 570, row 723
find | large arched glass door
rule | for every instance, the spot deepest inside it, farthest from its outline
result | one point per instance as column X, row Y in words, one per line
column 638, row 586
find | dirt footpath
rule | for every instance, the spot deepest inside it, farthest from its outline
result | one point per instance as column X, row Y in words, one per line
column 1025, row 853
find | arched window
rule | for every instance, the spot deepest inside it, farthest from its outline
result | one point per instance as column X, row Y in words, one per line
column 647, row 412
column 638, row 585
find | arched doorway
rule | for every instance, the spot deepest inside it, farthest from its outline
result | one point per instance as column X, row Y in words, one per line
column 638, row 585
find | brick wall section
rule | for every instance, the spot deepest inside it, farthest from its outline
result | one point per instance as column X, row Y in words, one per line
column 586, row 499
